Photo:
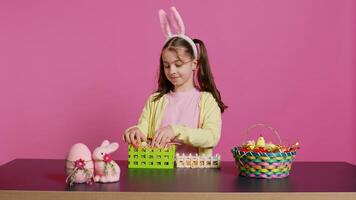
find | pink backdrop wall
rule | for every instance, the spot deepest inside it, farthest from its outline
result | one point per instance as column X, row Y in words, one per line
column 75, row 71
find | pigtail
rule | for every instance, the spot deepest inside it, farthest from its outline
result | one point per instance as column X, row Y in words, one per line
column 204, row 75
column 163, row 86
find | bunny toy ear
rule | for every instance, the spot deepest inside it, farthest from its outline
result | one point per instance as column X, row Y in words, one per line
column 165, row 23
column 177, row 21
column 105, row 143
column 112, row 147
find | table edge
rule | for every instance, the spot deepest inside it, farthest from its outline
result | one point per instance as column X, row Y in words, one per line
column 66, row 195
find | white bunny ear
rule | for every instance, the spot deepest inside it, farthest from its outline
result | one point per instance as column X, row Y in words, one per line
column 112, row 147
column 105, row 143
column 164, row 23
column 177, row 21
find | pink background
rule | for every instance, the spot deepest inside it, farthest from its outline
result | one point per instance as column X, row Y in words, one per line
column 81, row 71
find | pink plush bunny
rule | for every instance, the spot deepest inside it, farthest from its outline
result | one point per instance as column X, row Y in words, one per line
column 106, row 169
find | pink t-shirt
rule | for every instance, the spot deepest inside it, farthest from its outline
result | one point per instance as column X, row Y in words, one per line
column 182, row 109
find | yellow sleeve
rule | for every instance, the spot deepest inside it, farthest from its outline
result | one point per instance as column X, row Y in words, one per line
column 209, row 134
column 143, row 122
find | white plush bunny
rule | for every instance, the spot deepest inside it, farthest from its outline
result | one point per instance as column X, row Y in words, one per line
column 106, row 169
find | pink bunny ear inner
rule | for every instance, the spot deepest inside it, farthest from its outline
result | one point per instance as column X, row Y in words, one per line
column 177, row 21
column 165, row 25
column 105, row 143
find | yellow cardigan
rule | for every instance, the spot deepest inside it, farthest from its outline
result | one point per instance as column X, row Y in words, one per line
column 205, row 137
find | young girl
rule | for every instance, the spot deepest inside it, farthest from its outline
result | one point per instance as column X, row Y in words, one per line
column 187, row 106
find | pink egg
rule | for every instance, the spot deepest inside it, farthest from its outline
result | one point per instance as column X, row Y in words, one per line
column 79, row 157
column 79, row 150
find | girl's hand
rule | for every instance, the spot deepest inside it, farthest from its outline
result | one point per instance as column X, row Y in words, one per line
column 163, row 136
column 134, row 136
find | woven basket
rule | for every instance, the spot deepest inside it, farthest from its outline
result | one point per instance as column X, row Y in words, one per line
column 263, row 165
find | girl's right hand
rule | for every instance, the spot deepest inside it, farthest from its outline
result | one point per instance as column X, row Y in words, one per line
column 134, row 136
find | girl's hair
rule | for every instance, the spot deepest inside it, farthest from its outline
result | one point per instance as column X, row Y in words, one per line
column 204, row 76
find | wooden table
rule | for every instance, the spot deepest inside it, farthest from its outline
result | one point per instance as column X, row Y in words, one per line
column 45, row 179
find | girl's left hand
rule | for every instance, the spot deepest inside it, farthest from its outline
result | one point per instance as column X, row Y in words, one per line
column 163, row 136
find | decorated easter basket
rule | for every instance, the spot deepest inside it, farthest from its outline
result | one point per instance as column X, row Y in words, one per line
column 264, row 164
column 147, row 157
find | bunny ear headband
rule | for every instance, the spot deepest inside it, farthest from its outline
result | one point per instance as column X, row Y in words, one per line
column 176, row 22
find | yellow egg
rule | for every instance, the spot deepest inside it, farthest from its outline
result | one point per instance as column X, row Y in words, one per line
column 260, row 142
column 251, row 147
column 143, row 144
column 270, row 146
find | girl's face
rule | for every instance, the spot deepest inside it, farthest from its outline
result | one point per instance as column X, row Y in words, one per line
column 179, row 69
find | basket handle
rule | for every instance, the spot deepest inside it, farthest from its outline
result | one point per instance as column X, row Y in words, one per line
column 245, row 133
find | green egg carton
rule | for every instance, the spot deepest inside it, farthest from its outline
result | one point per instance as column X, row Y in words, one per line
column 146, row 157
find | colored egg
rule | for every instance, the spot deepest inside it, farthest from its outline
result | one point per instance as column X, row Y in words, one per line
column 79, row 163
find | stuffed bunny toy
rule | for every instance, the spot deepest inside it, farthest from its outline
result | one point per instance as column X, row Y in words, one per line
column 106, row 169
